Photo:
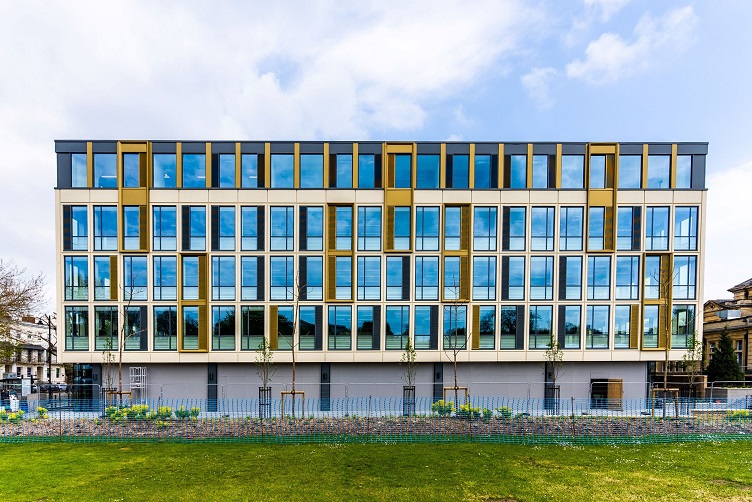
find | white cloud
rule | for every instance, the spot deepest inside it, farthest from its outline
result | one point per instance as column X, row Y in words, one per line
column 536, row 83
column 604, row 9
column 610, row 57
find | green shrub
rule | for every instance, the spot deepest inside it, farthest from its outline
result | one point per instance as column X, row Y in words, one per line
column 183, row 414
column 442, row 408
column 467, row 411
column 738, row 415
column 42, row 412
column 505, row 412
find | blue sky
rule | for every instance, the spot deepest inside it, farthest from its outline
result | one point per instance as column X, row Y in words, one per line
column 589, row 70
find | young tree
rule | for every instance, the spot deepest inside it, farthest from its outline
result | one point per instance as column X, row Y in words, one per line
column 408, row 364
column 20, row 295
column 693, row 361
column 724, row 366
column 457, row 338
column 264, row 366
column 554, row 357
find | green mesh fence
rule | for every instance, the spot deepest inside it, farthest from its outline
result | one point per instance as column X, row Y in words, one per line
column 378, row 419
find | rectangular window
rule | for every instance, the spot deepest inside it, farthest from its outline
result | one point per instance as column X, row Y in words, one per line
column 515, row 171
column 682, row 326
column 75, row 228
column 252, row 228
column 599, row 278
column 285, row 323
column 513, row 229
column 685, row 277
column 685, row 228
column 455, row 327
column 76, row 278
column 312, row 271
column 135, row 332
column 511, row 327
column 397, row 327
column 223, row 277
column 573, row 171
column 102, row 279
column 194, row 170
column 570, row 326
column 652, row 278
column 165, row 328
column 598, row 322
column 368, row 327
column 105, row 228
column 311, row 171
column 570, row 277
column 105, row 170
column 281, row 275
column 659, row 171
column 601, row 171
column 369, row 171
column 223, row 228
column 282, row 228
column 79, row 176
column 369, row 278
column 131, row 227
column 311, row 228
column 223, row 328
column 164, row 170
column 369, row 228
column 131, row 170
column 512, row 277
column 426, row 278
column 223, row 170
column 426, row 327
column 650, row 327
column 656, row 229
column 426, row 228
column 343, row 281
column 427, row 175
column 630, row 171
column 542, row 229
column 627, row 278
column 194, row 228
column 401, row 228
column 340, row 170
column 190, row 328
column 683, row 171
column 250, row 174
column 401, row 166
column 165, row 278
column 164, row 231
column 340, row 327
column 310, row 328
column 453, row 228
column 622, row 326
column 190, row 278
column 487, row 327
column 628, row 230
column 486, row 171
column 596, row 228
column 398, row 277
column 541, row 277
column 76, row 328
column 343, row 224
column 282, row 167
column 570, row 229
column 484, row 278
column 541, row 318
column 106, row 328
column 135, row 278
column 454, row 277
column 458, row 171
column 484, row 228
column 252, row 278
column 544, row 171
column 251, row 327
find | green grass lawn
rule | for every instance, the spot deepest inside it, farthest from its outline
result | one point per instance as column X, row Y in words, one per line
column 463, row 471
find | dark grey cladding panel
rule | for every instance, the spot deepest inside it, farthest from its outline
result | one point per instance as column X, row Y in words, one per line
column 573, row 149
column 340, row 148
column 692, row 149
column 458, row 148
column 252, row 148
column 515, row 149
column 104, row 146
column 312, row 148
column 429, row 148
column 64, row 169
column 630, row 149
column 223, row 147
column 370, row 148
column 698, row 172
column 544, row 148
column 282, row 148
column 659, row 149
column 70, row 146
column 166, row 147
column 194, row 147
column 486, row 149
